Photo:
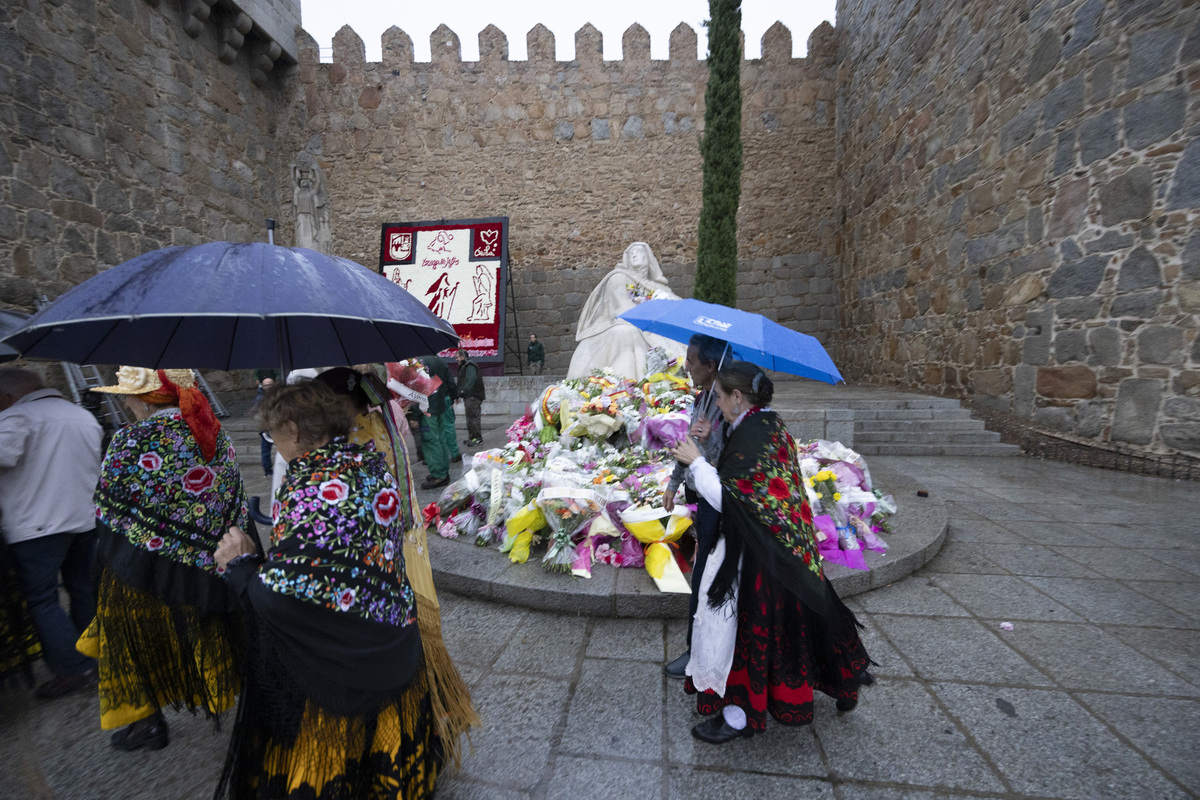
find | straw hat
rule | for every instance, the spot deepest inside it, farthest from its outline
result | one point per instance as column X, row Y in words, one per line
column 139, row 380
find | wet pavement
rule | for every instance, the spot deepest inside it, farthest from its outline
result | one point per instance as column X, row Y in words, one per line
column 1093, row 693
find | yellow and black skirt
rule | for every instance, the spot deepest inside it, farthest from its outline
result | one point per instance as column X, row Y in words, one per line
column 154, row 655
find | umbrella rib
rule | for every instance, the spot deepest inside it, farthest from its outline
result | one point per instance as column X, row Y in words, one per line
column 167, row 341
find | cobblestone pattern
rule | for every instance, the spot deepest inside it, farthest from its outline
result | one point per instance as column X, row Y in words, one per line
column 1021, row 187
column 121, row 134
column 584, row 157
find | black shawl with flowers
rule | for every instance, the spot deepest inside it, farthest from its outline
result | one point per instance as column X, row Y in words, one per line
column 763, row 509
column 331, row 603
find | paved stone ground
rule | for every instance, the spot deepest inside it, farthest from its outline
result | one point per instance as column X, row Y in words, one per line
column 1095, row 693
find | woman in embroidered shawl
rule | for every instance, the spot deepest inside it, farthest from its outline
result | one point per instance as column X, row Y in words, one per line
column 773, row 628
column 336, row 703
column 167, row 629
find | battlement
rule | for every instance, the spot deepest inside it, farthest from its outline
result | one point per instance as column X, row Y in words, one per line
column 445, row 48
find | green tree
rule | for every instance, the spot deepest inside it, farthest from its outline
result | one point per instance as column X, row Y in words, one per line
column 721, row 148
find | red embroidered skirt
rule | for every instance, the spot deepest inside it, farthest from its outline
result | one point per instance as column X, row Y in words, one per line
column 784, row 651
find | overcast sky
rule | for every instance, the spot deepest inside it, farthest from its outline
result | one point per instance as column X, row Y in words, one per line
column 370, row 18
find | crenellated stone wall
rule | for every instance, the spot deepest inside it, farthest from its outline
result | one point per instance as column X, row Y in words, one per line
column 584, row 157
column 1020, row 186
column 994, row 201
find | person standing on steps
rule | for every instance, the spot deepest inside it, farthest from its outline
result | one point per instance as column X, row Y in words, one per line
column 437, row 428
column 535, row 355
column 470, row 389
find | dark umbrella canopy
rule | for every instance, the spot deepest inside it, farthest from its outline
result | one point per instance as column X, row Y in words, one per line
column 9, row 322
column 233, row 306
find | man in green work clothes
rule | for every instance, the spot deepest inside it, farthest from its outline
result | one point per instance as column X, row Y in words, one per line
column 437, row 428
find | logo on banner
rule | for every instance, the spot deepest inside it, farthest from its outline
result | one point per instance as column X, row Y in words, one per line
column 489, row 240
column 400, row 246
column 715, row 324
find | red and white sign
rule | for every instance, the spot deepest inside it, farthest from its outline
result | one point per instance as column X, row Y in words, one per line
column 457, row 268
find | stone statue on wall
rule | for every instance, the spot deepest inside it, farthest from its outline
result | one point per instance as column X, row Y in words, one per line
column 604, row 340
column 311, row 202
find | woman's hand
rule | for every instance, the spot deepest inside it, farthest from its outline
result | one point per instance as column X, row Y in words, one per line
column 669, row 499
column 233, row 544
column 701, row 429
column 686, row 451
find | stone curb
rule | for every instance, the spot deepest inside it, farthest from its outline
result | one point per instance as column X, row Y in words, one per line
column 459, row 566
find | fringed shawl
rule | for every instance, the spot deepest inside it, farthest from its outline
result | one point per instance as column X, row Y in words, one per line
column 763, row 508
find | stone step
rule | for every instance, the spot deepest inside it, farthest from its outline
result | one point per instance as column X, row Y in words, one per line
column 901, row 402
column 870, row 425
column 911, row 413
column 896, row 449
column 926, row 437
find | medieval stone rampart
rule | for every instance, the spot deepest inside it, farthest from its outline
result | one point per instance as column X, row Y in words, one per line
column 583, row 156
column 129, row 126
column 1020, row 186
column 988, row 200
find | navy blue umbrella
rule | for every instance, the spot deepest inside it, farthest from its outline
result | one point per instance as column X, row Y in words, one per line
column 233, row 306
column 753, row 337
column 9, row 322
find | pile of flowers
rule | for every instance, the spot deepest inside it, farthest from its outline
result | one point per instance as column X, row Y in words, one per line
column 585, row 470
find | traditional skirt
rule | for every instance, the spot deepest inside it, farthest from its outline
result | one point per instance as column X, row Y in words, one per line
column 153, row 655
column 784, row 651
column 315, row 754
column 19, row 643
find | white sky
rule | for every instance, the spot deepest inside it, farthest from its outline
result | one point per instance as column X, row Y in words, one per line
column 370, row 18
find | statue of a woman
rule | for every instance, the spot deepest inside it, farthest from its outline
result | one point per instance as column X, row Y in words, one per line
column 604, row 340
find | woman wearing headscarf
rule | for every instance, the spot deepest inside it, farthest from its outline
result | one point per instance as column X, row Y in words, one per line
column 336, row 704
column 167, row 630
column 772, row 629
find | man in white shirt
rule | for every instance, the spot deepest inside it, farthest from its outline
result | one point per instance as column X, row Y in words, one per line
column 49, row 465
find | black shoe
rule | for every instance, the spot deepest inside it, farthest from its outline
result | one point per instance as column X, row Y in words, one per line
column 678, row 667
column 846, row 705
column 434, row 483
column 715, row 730
column 457, row 459
column 154, row 737
column 64, row 684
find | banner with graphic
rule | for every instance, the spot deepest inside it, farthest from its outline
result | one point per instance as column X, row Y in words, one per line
column 458, row 268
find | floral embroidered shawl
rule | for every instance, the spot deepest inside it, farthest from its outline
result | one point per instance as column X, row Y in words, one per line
column 157, row 492
column 763, row 506
column 337, row 541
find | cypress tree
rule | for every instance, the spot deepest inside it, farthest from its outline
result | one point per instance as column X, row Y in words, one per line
column 721, row 148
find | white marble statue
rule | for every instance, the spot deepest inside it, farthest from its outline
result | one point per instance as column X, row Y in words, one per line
column 604, row 340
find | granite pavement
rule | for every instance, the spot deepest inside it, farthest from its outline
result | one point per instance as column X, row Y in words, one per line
column 1092, row 689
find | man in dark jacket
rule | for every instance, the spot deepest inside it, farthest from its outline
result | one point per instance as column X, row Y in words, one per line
column 437, row 432
column 535, row 355
column 470, row 389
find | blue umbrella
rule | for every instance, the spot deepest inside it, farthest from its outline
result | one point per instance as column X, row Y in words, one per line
column 233, row 306
column 753, row 337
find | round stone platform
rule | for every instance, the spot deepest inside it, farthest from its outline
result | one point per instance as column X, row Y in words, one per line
column 919, row 528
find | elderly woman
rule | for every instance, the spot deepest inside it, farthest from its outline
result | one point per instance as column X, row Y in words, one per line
column 772, row 629
column 166, row 630
column 336, row 703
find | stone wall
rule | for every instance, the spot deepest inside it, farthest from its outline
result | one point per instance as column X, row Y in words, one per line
column 128, row 127
column 1020, row 183
column 584, row 157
